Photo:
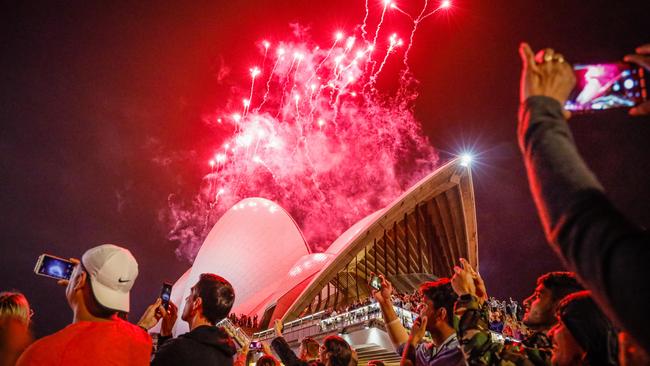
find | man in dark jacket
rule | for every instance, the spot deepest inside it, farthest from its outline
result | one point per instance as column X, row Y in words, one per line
column 209, row 302
column 609, row 253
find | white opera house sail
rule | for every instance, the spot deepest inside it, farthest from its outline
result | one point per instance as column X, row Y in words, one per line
column 259, row 248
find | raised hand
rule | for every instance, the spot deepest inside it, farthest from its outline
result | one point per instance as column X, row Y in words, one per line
column 641, row 58
column 383, row 296
column 152, row 315
column 546, row 74
column 169, row 319
column 463, row 281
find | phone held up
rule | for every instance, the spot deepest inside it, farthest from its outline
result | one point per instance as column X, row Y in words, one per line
column 55, row 267
column 375, row 283
column 606, row 86
column 166, row 294
column 255, row 346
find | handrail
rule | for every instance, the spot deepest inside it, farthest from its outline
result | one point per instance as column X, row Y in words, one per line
column 352, row 317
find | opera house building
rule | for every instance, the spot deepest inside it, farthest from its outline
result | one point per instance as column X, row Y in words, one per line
column 258, row 247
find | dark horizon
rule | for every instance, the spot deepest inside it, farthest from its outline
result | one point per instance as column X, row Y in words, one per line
column 93, row 94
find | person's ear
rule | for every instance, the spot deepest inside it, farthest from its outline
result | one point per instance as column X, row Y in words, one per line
column 80, row 280
column 197, row 303
column 442, row 314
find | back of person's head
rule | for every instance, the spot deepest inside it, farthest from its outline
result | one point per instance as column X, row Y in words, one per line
column 217, row 296
column 338, row 351
column 592, row 330
column 15, row 336
column 560, row 284
column 265, row 360
column 14, row 305
column 110, row 274
column 442, row 295
column 310, row 348
column 375, row 363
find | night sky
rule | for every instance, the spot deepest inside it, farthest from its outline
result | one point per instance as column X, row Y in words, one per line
column 95, row 96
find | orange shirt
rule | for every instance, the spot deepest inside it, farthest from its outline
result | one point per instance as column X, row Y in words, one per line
column 114, row 342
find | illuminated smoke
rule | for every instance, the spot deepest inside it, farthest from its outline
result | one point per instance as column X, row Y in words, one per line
column 315, row 135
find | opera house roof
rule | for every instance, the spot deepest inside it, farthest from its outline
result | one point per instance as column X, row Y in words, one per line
column 258, row 247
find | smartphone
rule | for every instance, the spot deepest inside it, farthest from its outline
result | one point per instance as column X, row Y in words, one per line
column 166, row 294
column 607, row 86
column 255, row 346
column 375, row 283
column 54, row 267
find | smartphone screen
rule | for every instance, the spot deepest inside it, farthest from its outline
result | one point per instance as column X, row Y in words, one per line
column 166, row 294
column 606, row 86
column 375, row 283
column 255, row 346
column 55, row 267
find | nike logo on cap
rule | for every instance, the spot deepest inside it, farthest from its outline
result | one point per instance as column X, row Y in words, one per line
column 120, row 280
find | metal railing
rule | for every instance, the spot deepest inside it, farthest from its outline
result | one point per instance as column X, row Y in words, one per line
column 318, row 323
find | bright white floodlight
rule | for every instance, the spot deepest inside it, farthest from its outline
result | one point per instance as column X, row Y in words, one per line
column 465, row 159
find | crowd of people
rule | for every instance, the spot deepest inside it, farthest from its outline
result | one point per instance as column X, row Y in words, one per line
column 593, row 314
column 244, row 321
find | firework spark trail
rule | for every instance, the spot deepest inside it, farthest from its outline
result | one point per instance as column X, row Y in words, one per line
column 443, row 5
column 268, row 84
column 266, row 45
column 416, row 23
column 336, row 39
column 284, row 87
column 365, row 23
column 374, row 41
column 381, row 21
column 394, row 6
column 336, row 154
column 394, row 42
column 247, row 102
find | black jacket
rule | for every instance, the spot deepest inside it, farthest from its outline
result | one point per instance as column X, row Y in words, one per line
column 205, row 345
column 609, row 253
column 288, row 358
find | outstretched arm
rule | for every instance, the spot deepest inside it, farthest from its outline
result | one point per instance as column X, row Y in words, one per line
column 608, row 252
column 396, row 331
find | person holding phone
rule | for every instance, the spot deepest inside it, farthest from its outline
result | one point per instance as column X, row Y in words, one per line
column 309, row 353
column 609, row 253
column 437, row 318
column 98, row 289
column 209, row 302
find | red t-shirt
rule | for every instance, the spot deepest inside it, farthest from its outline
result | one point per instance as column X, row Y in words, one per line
column 114, row 342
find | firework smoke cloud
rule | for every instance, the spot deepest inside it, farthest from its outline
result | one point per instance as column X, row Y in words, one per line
column 315, row 135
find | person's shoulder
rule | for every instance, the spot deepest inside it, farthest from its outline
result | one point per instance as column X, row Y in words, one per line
column 173, row 351
column 44, row 350
column 115, row 330
column 450, row 356
column 177, row 343
column 134, row 332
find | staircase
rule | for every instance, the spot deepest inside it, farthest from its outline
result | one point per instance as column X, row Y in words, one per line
column 367, row 352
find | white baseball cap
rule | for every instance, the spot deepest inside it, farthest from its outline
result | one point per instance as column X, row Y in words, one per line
column 112, row 271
